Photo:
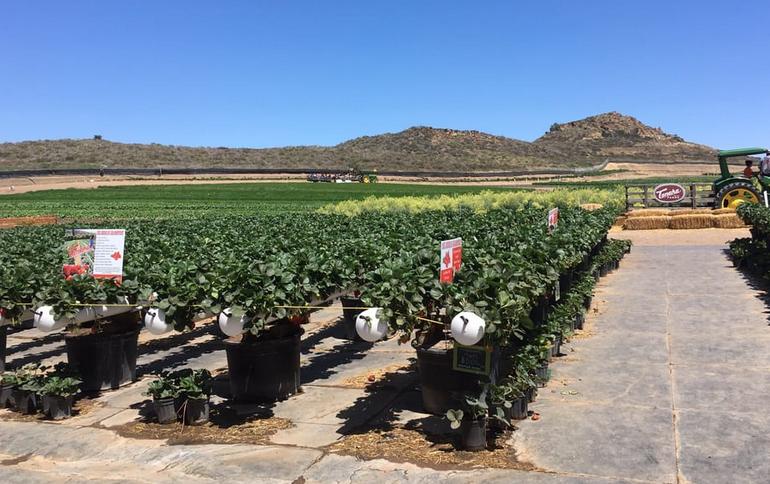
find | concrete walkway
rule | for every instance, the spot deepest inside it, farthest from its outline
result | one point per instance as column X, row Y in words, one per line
column 666, row 384
column 671, row 384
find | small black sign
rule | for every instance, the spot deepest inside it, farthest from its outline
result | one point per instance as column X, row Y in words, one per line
column 472, row 359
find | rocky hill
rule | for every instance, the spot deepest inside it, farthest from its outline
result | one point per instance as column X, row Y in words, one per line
column 578, row 143
column 616, row 136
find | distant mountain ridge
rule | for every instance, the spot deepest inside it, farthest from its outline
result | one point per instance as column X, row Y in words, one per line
column 578, row 143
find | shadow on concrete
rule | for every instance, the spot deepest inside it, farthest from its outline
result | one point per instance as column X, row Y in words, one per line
column 383, row 401
column 755, row 280
column 33, row 343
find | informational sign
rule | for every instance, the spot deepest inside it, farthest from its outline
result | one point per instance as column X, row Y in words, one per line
column 451, row 259
column 108, row 254
column 472, row 359
column 95, row 252
column 669, row 193
column 553, row 219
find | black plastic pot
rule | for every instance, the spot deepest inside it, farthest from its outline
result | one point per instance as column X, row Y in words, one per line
column 519, row 408
column 556, row 346
column 531, row 394
column 56, row 407
column 264, row 370
column 565, row 282
column 603, row 270
column 541, row 373
column 6, row 395
column 539, row 312
column 165, row 410
column 473, row 434
column 440, row 384
column 104, row 361
column 24, row 401
column 349, row 316
column 195, row 411
column 580, row 319
column 587, row 302
column 3, row 342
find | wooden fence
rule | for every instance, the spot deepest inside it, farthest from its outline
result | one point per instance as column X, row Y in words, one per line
column 643, row 196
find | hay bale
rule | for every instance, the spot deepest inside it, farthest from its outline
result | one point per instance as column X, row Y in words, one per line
column 691, row 211
column 728, row 221
column 647, row 223
column 648, row 212
column 721, row 211
column 691, row 222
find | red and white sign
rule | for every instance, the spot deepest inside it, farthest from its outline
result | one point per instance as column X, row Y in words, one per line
column 451, row 259
column 669, row 193
column 108, row 254
column 553, row 218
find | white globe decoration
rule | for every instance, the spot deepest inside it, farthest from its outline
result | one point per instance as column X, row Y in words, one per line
column 231, row 325
column 43, row 319
column 467, row 328
column 155, row 321
column 369, row 326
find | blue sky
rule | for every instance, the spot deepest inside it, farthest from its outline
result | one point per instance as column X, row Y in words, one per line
column 258, row 73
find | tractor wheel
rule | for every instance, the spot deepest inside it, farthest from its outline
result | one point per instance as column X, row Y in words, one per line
column 735, row 194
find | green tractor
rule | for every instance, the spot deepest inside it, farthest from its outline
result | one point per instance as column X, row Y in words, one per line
column 731, row 190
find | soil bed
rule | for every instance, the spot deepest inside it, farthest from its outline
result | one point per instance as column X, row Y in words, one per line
column 437, row 451
column 224, row 428
column 81, row 407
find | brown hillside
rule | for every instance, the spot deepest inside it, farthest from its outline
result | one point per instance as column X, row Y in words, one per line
column 578, row 143
column 616, row 136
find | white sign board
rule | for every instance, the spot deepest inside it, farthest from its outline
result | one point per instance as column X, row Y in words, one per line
column 108, row 254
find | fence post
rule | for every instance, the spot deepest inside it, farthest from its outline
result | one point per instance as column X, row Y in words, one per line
column 646, row 197
column 693, row 191
column 627, row 207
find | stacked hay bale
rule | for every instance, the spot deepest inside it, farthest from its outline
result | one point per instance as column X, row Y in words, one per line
column 700, row 218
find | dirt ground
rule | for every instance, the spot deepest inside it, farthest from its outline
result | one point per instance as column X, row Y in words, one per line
column 631, row 170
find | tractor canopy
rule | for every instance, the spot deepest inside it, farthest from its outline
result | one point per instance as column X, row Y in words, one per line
column 725, row 154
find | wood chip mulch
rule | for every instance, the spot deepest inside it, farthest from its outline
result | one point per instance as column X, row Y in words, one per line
column 256, row 431
column 401, row 444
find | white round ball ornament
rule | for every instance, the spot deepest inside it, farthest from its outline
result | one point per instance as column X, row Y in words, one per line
column 44, row 320
column 369, row 326
column 155, row 321
column 231, row 325
column 467, row 328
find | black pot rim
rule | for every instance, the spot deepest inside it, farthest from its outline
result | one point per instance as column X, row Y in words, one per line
column 297, row 333
column 102, row 336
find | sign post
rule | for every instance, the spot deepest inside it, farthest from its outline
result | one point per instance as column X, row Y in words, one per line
column 451, row 259
column 553, row 219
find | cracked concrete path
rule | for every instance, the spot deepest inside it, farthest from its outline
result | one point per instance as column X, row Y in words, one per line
column 667, row 383
column 671, row 384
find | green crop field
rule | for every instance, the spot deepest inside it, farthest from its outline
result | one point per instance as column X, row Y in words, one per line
column 171, row 201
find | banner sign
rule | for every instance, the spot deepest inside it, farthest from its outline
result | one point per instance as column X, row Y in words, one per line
column 553, row 219
column 451, row 259
column 95, row 252
column 669, row 193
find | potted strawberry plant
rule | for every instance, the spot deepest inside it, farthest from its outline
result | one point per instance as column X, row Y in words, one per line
column 7, row 385
column 163, row 391
column 58, row 392
column 27, row 385
column 194, row 387
column 472, row 421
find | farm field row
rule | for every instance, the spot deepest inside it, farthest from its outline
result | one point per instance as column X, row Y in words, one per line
column 170, row 201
